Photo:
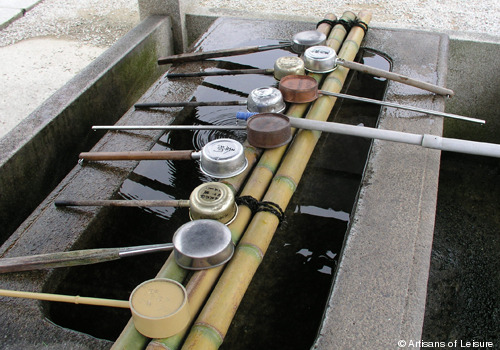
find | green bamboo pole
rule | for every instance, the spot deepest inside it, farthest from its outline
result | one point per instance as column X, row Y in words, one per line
column 334, row 40
column 130, row 338
column 255, row 187
column 211, row 326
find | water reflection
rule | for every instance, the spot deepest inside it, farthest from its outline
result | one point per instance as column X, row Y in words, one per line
column 327, row 213
column 328, row 260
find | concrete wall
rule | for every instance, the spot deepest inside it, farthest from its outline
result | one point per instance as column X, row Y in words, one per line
column 40, row 151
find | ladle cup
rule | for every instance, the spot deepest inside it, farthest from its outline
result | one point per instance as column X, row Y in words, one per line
column 197, row 245
column 159, row 306
column 211, row 200
column 260, row 100
column 299, row 43
column 323, row 59
column 221, row 158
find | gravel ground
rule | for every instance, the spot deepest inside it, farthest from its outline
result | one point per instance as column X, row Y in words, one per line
column 43, row 50
column 55, row 40
column 90, row 22
column 468, row 16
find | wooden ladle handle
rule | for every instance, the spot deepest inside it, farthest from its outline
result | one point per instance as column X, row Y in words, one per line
column 396, row 77
column 65, row 298
column 137, row 155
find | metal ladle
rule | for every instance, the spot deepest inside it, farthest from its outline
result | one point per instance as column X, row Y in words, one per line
column 260, row 100
column 197, row 245
column 323, row 59
column 299, row 43
column 211, row 200
column 304, row 89
column 283, row 66
column 272, row 130
column 159, row 306
column 221, row 158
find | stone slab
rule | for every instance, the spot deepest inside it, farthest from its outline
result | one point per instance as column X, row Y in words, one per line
column 41, row 150
column 379, row 292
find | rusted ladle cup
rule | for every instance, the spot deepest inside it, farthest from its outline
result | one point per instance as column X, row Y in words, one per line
column 304, row 89
column 269, row 129
column 273, row 130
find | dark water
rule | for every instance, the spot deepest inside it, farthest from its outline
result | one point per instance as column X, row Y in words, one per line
column 463, row 301
column 294, row 280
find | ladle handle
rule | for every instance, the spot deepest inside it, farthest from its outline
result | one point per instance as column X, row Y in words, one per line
column 75, row 257
column 137, row 155
column 147, row 105
column 198, row 56
column 395, row 105
column 122, row 203
column 396, row 77
column 62, row 259
column 65, row 298
column 220, row 73
column 428, row 141
column 169, row 127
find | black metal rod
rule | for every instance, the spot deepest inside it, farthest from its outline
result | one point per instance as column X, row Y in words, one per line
column 220, row 73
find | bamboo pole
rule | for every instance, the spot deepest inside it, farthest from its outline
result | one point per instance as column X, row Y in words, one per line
column 211, row 326
column 203, row 281
column 130, row 338
column 73, row 299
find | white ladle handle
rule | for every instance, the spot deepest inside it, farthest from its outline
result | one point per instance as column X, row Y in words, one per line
column 395, row 105
column 396, row 77
column 429, row 141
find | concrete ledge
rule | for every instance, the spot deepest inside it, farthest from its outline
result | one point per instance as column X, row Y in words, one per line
column 379, row 292
column 40, row 151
